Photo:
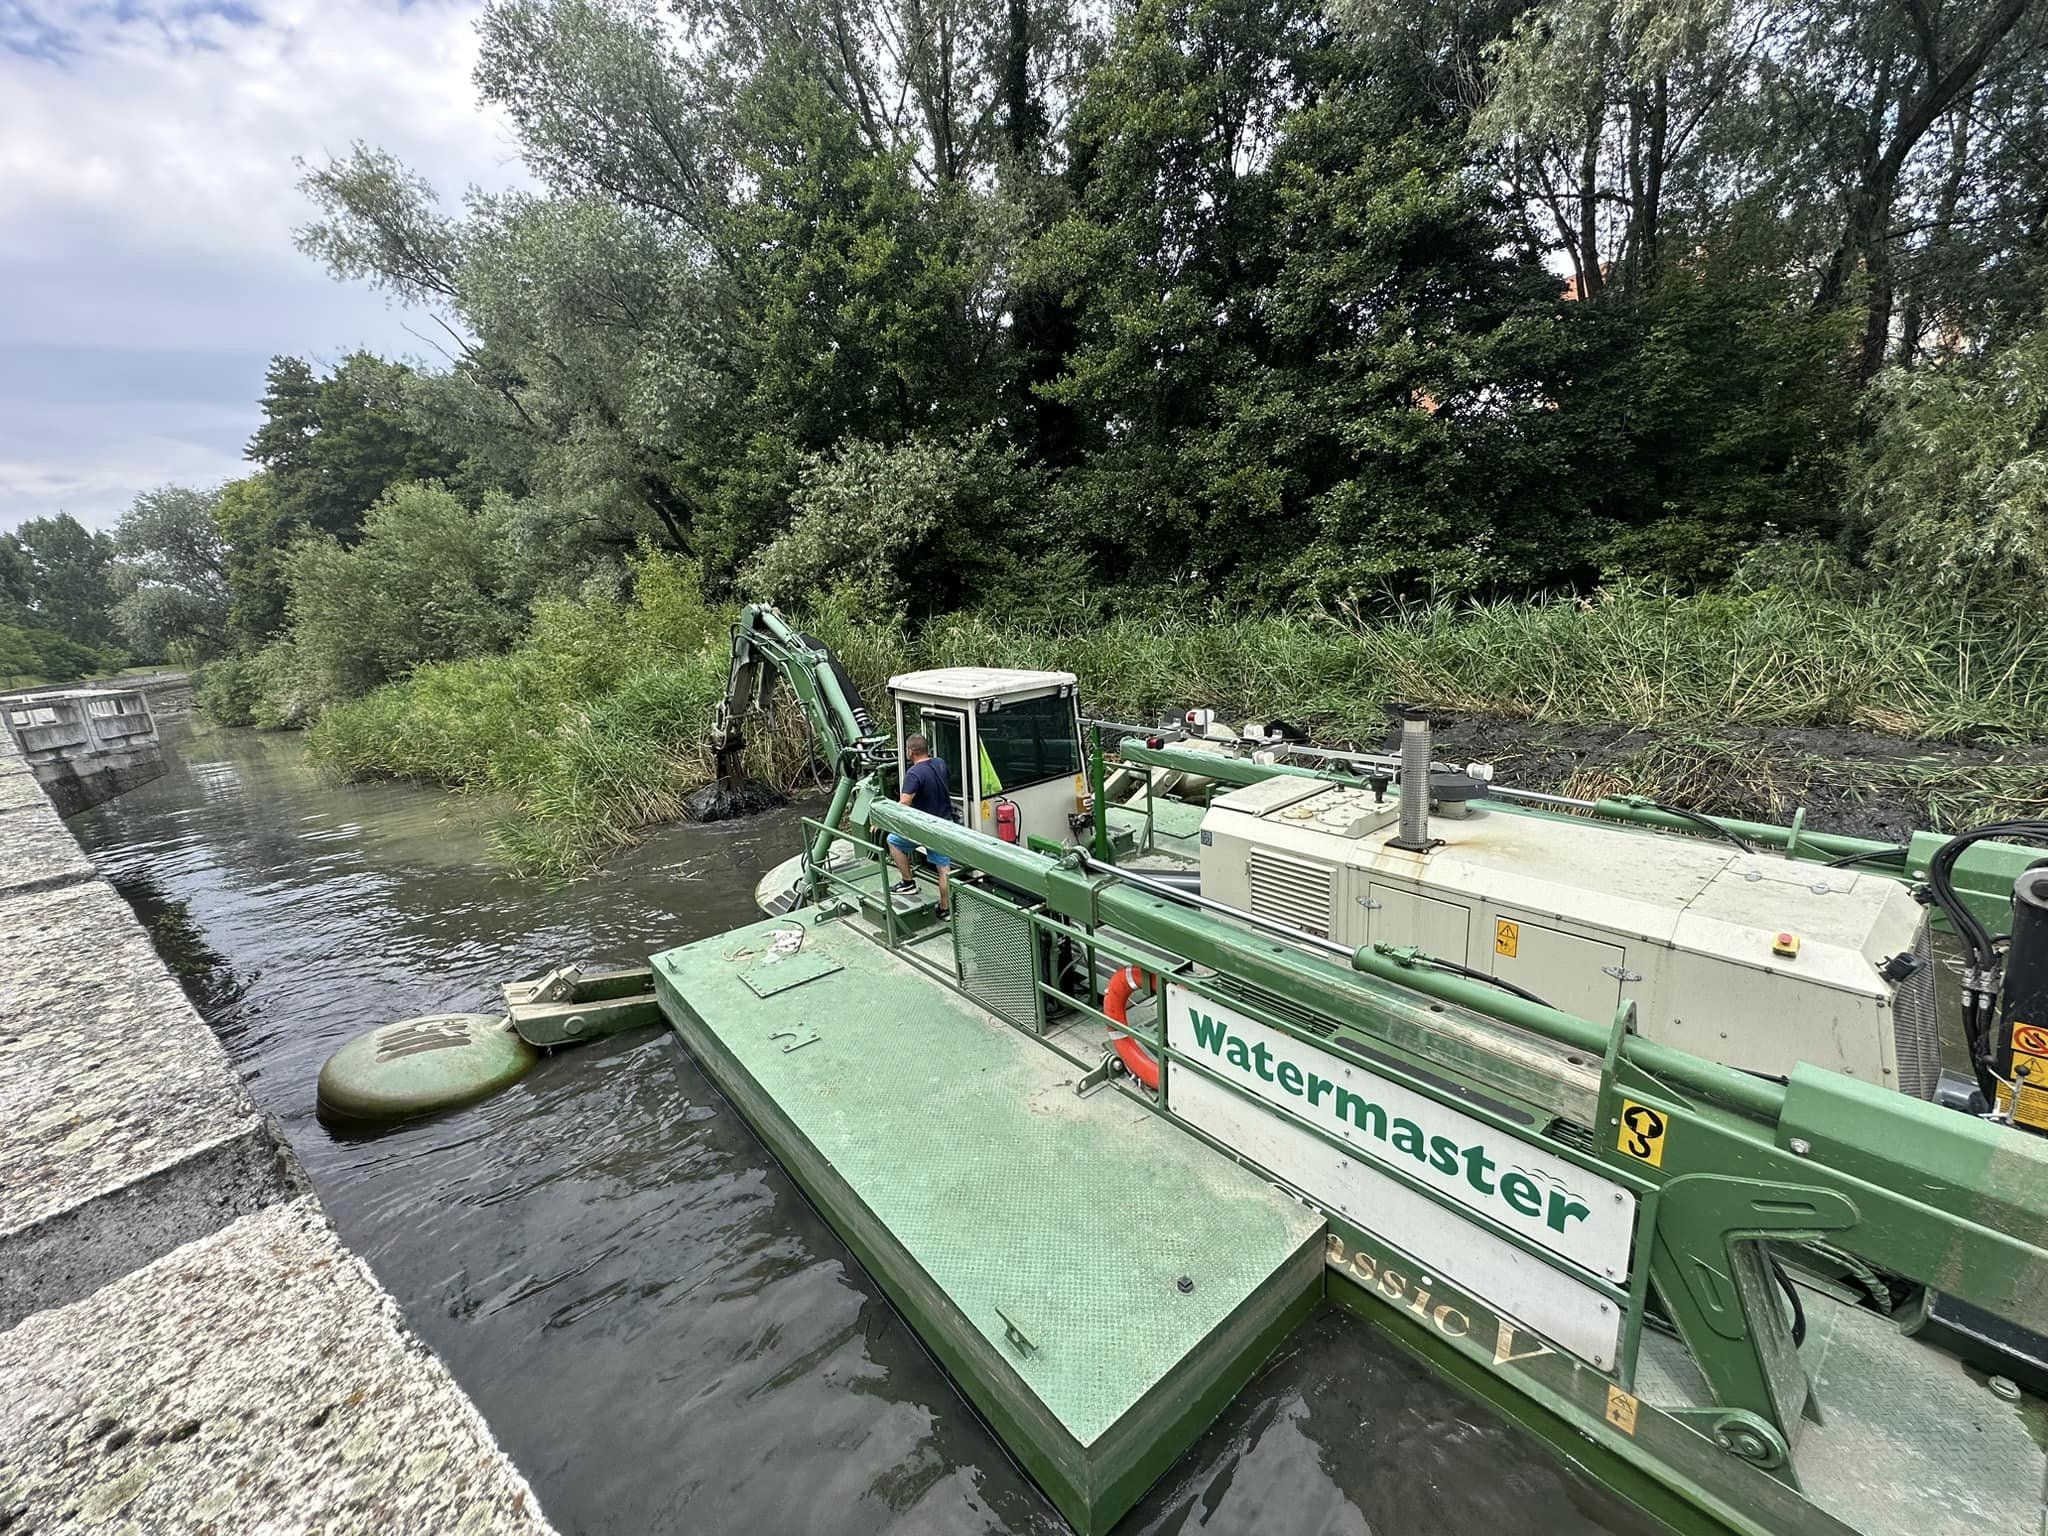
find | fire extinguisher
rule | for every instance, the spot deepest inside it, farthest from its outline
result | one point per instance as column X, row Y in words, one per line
column 1007, row 825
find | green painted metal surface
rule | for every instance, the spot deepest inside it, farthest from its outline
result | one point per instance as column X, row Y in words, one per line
column 1036, row 1240
column 418, row 1066
column 1733, row 1163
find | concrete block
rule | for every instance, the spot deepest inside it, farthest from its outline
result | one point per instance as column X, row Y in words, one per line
column 128, row 1131
column 20, row 791
column 79, row 786
column 257, row 1380
column 37, row 854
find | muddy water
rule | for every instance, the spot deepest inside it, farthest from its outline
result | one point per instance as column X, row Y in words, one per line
column 661, row 1331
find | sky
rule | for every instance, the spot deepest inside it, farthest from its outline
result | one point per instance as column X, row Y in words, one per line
column 148, row 194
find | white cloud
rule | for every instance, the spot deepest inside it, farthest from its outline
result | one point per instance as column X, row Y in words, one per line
column 147, row 201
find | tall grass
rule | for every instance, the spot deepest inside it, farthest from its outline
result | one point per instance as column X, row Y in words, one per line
column 594, row 726
column 1770, row 657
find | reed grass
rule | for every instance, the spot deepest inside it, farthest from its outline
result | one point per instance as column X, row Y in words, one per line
column 592, row 731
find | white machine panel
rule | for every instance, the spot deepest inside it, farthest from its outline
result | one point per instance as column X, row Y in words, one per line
column 1516, row 1284
column 1587, row 917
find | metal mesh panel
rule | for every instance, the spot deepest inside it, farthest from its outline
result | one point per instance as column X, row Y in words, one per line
column 1917, row 1038
column 992, row 943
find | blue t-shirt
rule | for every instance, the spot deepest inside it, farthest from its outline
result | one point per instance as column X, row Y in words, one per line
column 929, row 788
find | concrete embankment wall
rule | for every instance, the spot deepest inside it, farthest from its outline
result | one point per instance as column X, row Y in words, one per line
column 185, row 1344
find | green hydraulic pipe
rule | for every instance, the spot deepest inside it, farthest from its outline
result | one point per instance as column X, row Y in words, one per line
column 1633, row 808
column 1098, row 798
column 1214, row 765
column 821, row 848
column 1011, row 863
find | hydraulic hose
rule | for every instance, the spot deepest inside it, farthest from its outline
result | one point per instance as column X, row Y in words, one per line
column 1869, row 856
column 1707, row 824
column 1456, row 969
column 1980, row 995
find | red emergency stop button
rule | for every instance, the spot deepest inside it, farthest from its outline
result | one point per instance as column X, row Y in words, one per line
column 1786, row 944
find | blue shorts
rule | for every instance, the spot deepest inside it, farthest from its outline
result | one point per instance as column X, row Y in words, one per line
column 936, row 860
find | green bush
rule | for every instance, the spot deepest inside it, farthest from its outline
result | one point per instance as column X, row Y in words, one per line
column 895, row 529
column 31, row 657
column 594, row 726
column 227, row 691
column 429, row 581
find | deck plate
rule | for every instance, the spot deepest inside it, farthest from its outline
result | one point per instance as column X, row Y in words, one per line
column 995, row 1205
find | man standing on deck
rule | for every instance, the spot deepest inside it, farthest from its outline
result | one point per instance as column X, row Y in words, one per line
column 926, row 787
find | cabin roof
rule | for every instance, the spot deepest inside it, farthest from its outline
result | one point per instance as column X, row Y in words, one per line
column 977, row 682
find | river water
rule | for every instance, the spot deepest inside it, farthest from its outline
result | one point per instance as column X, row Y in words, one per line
column 661, row 1331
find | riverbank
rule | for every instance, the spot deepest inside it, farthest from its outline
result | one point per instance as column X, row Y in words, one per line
column 1870, row 710
column 182, row 1332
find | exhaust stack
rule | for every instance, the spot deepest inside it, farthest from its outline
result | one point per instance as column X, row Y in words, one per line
column 1415, row 763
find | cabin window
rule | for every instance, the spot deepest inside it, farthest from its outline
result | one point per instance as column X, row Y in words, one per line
column 1031, row 741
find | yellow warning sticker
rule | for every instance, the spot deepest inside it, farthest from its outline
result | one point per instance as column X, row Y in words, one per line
column 1507, row 937
column 2032, row 1069
column 1621, row 1410
column 2030, row 1040
column 2032, row 1109
column 1642, row 1132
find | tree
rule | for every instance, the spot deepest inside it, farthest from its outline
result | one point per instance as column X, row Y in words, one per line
column 429, row 580
column 61, row 566
column 1955, row 485
column 1169, row 239
column 17, row 591
column 30, row 657
column 787, row 231
column 1871, row 148
column 917, row 528
column 172, row 575
column 329, row 446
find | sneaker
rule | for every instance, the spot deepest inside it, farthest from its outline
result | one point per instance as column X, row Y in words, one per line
column 904, row 888
column 945, row 914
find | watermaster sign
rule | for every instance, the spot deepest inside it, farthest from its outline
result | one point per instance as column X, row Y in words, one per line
column 1558, row 1205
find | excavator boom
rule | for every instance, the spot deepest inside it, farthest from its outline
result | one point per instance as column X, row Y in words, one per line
column 765, row 647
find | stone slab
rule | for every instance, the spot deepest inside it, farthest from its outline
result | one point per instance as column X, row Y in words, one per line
column 20, row 791
column 258, row 1380
column 128, row 1132
column 36, row 853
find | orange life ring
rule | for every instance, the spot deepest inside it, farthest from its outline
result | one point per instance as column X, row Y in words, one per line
column 1116, row 1003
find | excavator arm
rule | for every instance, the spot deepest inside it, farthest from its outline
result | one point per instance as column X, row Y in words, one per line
column 765, row 647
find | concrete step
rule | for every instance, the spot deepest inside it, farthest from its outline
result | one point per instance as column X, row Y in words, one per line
column 255, row 1380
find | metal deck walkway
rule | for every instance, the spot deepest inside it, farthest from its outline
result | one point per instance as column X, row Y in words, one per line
column 1098, row 1282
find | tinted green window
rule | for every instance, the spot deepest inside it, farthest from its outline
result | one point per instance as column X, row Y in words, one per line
column 1030, row 742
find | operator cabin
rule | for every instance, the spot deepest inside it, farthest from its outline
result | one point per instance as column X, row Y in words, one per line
column 1012, row 741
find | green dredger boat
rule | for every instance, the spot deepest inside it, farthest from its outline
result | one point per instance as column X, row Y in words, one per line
column 1652, row 1130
